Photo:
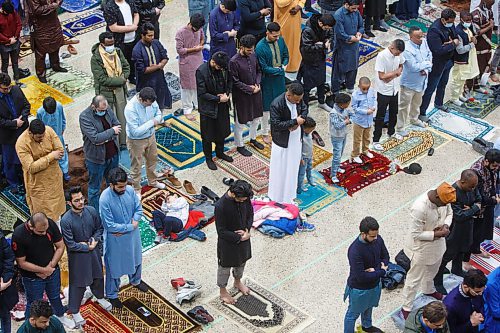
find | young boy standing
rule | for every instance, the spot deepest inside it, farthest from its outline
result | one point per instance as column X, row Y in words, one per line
column 364, row 104
column 339, row 120
column 307, row 155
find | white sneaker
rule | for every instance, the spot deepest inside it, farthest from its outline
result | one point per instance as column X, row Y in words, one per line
column 335, row 180
column 377, row 146
column 340, row 170
column 69, row 323
column 457, row 102
column 397, row 136
column 325, row 107
column 78, row 319
column 462, row 98
column 419, row 123
column 357, row 160
column 403, row 133
column 158, row 185
column 369, row 155
column 104, row 304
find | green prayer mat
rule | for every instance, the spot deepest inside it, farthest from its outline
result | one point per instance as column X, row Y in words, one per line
column 7, row 216
column 420, row 22
column 148, row 235
column 73, row 83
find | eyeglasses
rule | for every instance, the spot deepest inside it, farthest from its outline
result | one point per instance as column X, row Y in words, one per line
column 82, row 199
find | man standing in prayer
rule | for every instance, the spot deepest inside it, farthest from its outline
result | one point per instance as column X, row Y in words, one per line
column 368, row 260
column 111, row 70
column 149, row 12
column 233, row 220
column 459, row 241
column 252, row 17
column 288, row 113
column 214, row 86
column 431, row 217
column 82, row 229
column 100, row 129
column 492, row 302
column 150, row 58
column 247, row 96
column 189, row 42
column 46, row 34
column 416, row 69
column 348, row 32
column 224, row 26
column 120, row 213
column 272, row 53
column 39, row 150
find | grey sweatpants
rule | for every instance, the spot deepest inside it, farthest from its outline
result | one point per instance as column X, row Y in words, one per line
column 224, row 272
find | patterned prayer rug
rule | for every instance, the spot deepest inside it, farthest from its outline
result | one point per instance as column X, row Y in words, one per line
column 482, row 105
column 421, row 22
column 100, row 320
column 488, row 265
column 173, row 83
column 358, row 176
column 414, row 146
column 164, row 317
column 320, row 155
column 25, row 48
column 458, row 5
column 81, row 24
column 35, row 92
column 148, row 235
column 78, row 171
column 180, row 144
column 17, row 203
column 367, row 51
column 8, row 216
column 74, row 6
column 126, row 165
column 318, row 197
column 152, row 198
column 73, row 83
column 458, row 125
column 254, row 169
column 263, row 311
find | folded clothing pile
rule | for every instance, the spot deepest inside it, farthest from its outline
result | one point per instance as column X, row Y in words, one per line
column 275, row 219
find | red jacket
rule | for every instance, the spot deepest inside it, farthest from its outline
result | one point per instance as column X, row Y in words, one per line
column 10, row 26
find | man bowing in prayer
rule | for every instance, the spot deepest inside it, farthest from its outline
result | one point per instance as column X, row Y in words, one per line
column 121, row 210
column 288, row 113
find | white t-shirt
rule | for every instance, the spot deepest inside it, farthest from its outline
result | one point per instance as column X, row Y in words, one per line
column 386, row 62
column 128, row 20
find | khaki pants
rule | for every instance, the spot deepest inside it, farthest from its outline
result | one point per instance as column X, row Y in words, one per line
column 413, row 99
column 457, row 84
column 360, row 139
column 419, row 275
column 137, row 149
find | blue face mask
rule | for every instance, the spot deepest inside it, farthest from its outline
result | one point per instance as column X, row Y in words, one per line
column 109, row 49
column 100, row 113
column 466, row 25
column 448, row 25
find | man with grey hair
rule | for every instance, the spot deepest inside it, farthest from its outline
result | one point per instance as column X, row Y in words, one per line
column 100, row 129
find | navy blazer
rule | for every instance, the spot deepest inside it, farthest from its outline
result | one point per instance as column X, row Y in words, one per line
column 437, row 35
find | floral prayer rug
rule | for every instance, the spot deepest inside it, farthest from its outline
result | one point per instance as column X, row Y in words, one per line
column 482, row 105
column 254, row 169
column 458, row 5
column 81, row 24
column 152, row 198
column 358, row 176
column 8, row 215
column 74, row 6
column 163, row 316
column 459, row 125
column 488, row 265
column 35, row 92
column 367, row 51
column 16, row 203
column 318, row 197
column 421, row 22
column 263, row 311
column 73, row 83
column 100, row 320
column 173, row 83
column 413, row 146
column 148, row 235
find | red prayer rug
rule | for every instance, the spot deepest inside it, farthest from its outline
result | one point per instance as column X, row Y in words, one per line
column 100, row 320
column 358, row 176
column 488, row 265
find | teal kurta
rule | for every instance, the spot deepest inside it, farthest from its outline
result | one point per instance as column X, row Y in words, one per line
column 273, row 78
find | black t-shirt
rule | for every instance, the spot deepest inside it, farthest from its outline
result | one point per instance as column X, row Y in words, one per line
column 37, row 249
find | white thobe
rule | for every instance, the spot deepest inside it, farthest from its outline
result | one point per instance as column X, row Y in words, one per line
column 285, row 162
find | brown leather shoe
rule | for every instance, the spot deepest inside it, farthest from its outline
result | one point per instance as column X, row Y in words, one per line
column 174, row 181
column 189, row 187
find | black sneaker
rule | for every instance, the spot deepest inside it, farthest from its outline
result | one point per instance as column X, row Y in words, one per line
column 142, row 287
column 211, row 164
column 243, row 151
column 42, row 79
column 370, row 34
column 116, row 303
column 380, row 29
column 59, row 69
column 372, row 329
column 443, row 108
column 225, row 157
column 441, row 289
column 257, row 144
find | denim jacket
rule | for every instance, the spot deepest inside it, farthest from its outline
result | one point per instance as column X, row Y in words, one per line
column 361, row 103
column 338, row 128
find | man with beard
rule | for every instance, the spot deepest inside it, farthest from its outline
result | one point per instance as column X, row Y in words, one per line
column 82, row 233
column 368, row 260
column 459, row 240
column 121, row 210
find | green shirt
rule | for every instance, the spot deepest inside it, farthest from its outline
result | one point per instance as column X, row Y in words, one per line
column 55, row 326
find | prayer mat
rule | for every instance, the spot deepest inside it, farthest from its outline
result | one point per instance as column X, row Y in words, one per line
column 413, row 146
column 421, row 22
column 35, row 92
column 358, row 176
column 320, row 155
column 8, row 216
column 152, row 198
column 367, row 51
column 482, row 105
column 180, row 144
column 488, row 265
column 73, row 83
column 458, row 5
column 81, row 24
column 173, row 83
column 74, row 6
column 263, row 311
column 100, row 320
column 254, row 169
column 164, row 316
column 17, row 202
column 78, row 171
column 318, row 197
column 458, row 125
column 148, row 235
column 25, row 48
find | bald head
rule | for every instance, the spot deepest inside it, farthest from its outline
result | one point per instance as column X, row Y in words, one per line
column 39, row 223
column 468, row 180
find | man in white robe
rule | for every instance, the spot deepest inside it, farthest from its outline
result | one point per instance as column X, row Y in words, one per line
column 288, row 112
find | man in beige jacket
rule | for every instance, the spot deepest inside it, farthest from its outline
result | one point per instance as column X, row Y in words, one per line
column 431, row 217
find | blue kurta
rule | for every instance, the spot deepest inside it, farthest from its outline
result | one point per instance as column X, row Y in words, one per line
column 122, row 254
column 492, row 302
column 273, row 78
column 346, row 26
column 220, row 22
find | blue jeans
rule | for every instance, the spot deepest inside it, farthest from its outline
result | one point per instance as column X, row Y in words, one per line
column 35, row 287
column 437, row 82
column 351, row 317
column 166, row 224
column 5, row 322
column 113, row 285
column 304, row 170
column 341, row 76
column 11, row 165
column 338, row 145
column 96, row 174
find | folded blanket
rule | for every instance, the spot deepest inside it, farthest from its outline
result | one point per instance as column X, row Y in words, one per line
column 257, row 205
column 269, row 213
column 287, row 225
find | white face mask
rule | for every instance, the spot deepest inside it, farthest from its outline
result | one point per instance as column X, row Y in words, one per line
column 109, row 49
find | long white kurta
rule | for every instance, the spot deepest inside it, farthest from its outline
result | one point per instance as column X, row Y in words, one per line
column 285, row 163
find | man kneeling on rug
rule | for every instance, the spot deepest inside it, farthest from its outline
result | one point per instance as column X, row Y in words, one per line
column 233, row 220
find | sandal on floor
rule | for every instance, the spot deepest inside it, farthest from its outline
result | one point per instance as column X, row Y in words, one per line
column 197, row 315
column 72, row 50
column 200, row 197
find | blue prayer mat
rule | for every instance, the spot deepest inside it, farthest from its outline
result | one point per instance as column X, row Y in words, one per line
column 367, row 51
column 318, row 197
column 74, row 6
column 17, row 202
column 84, row 23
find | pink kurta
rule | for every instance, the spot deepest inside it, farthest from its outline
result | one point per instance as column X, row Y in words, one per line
column 186, row 38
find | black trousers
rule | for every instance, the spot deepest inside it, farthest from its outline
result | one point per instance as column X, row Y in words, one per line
column 369, row 20
column 320, row 90
column 76, row 294
column 207, row 148
column 383, row 102
column 456, row 258
column 14, row 58
column 483, row 230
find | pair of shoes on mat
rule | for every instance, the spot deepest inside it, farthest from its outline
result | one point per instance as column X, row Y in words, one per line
column 187, row 292
column 201, row 315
